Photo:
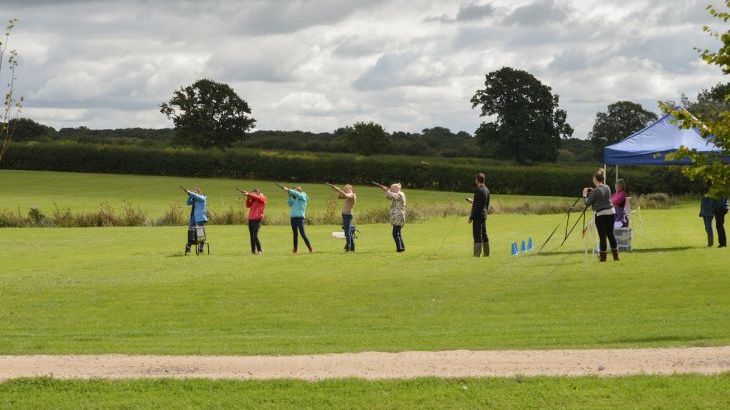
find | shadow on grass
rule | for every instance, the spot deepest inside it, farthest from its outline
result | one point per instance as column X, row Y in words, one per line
column 641, row 250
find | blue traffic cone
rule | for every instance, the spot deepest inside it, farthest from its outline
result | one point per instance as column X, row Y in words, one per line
column 523, row 247
column 515, row 251
column 530, row 246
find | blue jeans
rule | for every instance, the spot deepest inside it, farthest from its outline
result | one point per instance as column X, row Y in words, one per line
column 349, row 237
column 708, row 227
column 297, row 227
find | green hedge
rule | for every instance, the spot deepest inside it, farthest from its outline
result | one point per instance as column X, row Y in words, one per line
column 444, row 175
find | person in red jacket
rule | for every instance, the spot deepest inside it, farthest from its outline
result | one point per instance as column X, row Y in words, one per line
column 256, row 202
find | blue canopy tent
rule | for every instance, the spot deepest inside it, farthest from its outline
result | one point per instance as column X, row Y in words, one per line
column 651, row 145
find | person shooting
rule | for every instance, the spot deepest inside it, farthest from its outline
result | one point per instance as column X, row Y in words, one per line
column 297, row 200
column 198, row 216
column 256, row 203
column 348, row 194
column 599, row 198
column 397, row 212
column 478, row 216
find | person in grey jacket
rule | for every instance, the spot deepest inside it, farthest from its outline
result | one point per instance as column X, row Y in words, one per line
column 600, row 199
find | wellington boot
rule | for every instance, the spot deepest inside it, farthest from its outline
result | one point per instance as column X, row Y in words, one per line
column 614, row 252
column 602, row 256
column 485, row 246
column 477, row 250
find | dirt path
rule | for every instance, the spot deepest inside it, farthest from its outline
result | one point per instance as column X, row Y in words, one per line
column 374, row 365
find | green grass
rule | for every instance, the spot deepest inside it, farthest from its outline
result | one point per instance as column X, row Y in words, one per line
column 129, row 290
column 639, row 392
column 154, row 194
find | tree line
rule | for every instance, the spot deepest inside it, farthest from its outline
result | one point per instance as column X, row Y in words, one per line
column 526, row 124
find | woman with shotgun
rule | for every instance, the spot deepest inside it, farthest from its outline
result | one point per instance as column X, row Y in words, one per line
column 348, row 194
column 256, row 203
column 198, row 218
column 297, row 201
column 600, row 199
column 397, row 213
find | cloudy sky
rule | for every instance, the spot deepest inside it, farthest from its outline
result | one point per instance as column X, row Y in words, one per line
column 320, row 64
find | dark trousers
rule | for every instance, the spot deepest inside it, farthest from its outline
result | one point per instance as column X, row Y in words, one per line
column 720, row 226
column 297, row 228
column 347, row 226
column 604, row 225
column 253, row 232
column 479, row 231
column 398, row 238
column 708, row 227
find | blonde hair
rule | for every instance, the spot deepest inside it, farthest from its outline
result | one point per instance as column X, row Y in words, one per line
column 349, row 186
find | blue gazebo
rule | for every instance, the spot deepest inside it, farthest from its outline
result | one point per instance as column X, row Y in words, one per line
column 651, row 145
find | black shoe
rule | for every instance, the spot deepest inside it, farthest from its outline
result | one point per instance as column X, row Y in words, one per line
column 722, row 246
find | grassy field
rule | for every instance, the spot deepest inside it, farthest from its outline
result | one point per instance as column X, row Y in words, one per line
column 675, row 392
column 154, row 194
column 130, row 290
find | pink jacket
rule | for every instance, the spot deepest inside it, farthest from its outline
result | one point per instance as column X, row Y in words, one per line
column 257, row 203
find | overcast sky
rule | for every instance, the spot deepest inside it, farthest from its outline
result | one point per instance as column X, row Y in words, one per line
column 320, row 64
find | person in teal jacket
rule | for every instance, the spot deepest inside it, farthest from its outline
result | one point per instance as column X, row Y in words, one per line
column 298, row 201
column 197, row 203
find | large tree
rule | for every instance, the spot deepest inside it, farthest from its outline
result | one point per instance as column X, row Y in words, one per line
column 26, row 129
column 622, row 119
column 707, row 167
column 208, row 114
column 366, row 138
column 709, row 102
column 528, row 123
column 12, row 105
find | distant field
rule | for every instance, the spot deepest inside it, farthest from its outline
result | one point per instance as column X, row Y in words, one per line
column 639, row 392
column 154, row 194
column 129, row 290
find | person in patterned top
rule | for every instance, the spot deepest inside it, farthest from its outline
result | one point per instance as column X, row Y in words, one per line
column 397, row 213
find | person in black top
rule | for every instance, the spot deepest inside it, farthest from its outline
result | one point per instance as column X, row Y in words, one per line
column 478, row 216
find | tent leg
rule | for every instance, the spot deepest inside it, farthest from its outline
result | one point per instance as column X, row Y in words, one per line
column 616, row 174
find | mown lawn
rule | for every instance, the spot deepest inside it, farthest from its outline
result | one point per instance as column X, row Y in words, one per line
column 639, row 392
column 129, row 290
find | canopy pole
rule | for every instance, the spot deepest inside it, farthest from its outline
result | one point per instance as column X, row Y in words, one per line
column 617, row 174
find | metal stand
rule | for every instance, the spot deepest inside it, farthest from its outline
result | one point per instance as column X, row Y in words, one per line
column 568, row 232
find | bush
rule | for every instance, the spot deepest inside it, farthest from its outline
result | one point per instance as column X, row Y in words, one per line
column 445, row 175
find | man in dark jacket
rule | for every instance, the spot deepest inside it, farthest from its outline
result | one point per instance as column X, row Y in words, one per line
column 478, row 216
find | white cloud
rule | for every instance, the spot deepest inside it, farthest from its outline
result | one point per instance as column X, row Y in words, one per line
column 320, row 64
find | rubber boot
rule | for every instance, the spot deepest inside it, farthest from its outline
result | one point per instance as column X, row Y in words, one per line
column 486, row 249
column 477, row 250
column 710, row 241
column 614, row 252
column 602, row 256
